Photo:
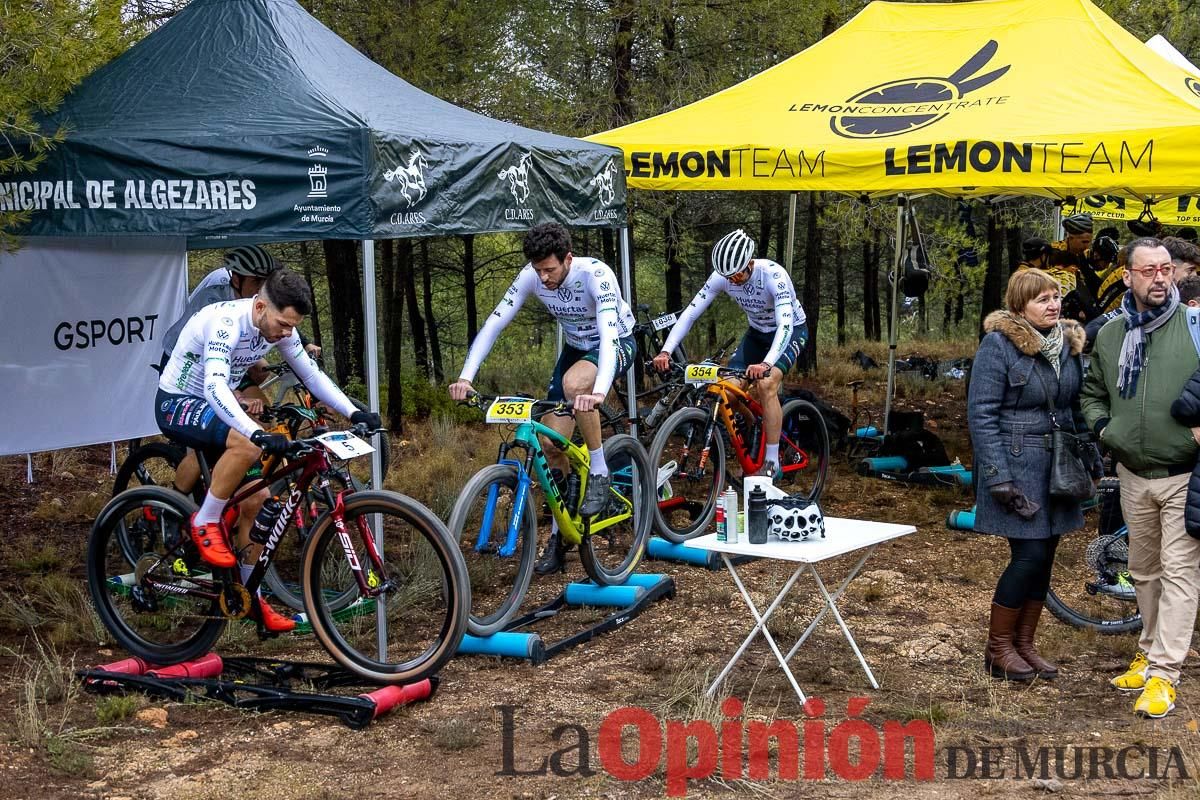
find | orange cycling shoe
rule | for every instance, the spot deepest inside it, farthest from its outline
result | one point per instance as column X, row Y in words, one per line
column 272, row 620
column 211, row 541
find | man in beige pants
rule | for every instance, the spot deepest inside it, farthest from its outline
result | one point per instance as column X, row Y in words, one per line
column 1139, row 366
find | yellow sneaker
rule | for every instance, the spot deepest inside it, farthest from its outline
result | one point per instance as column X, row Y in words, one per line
column 1134, row 678
column 1157, row 699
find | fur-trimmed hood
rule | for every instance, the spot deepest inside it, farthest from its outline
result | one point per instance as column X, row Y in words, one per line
column 1026, row 339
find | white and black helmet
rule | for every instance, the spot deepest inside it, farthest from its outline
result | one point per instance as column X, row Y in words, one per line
column 732, row 252
column 251, row 260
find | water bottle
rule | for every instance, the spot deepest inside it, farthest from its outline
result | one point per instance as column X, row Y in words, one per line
column 756, row 516
column 731, row 515
column 656, row 413
column 265, row 521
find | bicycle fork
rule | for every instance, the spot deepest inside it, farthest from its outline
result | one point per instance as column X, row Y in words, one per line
column 509, row 547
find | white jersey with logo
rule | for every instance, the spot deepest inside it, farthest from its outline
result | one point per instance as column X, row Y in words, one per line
column 767, row 298
column 216, row 347
column 218, row 277
column 587, row 305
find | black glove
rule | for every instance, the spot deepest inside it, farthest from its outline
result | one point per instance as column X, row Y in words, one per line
column 1013, row 500
column 368, row 418
column 271, row 443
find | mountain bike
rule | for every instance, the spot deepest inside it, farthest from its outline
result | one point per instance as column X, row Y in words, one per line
column 155, row 464
column 169, row 606
column 495, row 522
column 721, row 439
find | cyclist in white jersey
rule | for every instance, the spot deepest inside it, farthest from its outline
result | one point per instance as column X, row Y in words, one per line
column 777, row 331
column 582, row 294
column 195, row 405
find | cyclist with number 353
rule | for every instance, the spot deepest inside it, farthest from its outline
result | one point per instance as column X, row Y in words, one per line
column 195, row 406
column 777, row 331
column 581, row 294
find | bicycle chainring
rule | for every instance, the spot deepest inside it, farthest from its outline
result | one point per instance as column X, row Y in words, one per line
column 234, row 601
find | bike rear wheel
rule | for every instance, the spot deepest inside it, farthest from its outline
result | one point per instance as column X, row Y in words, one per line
column 611, row 554
column 152, row 464
column 1089, row 585
column 803, row 451
column 479, row 523
column 151, row 604
column 424, row 597
column 686, row 489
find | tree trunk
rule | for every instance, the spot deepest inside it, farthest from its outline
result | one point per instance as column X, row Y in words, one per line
column 876, row 317
column 306, row 260
column 435, row 349
column 622, row 64
column 387, row 254
column 993, row 279
column 812, row 278
column 395, row 334
column 415, row 323
column 839, row 266
column 782, row 205
column 469, row 287
column 345, row 309
column 674, row 272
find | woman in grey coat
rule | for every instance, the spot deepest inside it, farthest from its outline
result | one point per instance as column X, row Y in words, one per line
column 1026, row 354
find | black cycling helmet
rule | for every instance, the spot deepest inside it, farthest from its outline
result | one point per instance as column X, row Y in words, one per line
column 1077, row 223
column 251, row 260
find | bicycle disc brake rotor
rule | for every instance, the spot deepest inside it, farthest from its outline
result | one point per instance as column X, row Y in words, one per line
column 235, row 601
column 1107, row 555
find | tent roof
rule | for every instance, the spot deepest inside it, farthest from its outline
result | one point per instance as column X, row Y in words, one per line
column 259, row 91
column 983, row 97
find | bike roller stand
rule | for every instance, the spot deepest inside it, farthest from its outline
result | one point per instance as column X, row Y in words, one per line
column 630, row 599
column 257, row 684
column 895, row 468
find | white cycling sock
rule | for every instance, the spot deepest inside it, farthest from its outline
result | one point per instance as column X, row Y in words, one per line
column 597, row 464
column 246, row 569
column 210, row 511
column 773, row 453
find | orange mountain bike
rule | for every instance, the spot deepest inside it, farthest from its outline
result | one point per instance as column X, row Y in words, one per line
column 691, row 452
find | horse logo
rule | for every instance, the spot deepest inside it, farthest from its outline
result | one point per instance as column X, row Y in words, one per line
column 411, row 177
column 518, row 178
column 604, row 184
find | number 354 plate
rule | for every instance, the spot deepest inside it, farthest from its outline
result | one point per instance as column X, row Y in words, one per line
column 700, row 374
column 344, row 444
column 510, row 410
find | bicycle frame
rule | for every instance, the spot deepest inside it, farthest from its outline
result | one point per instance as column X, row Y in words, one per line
column 571, row 527
column 724, row 394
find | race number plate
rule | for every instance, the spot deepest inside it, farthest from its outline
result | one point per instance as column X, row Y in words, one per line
column 700, row 374
column 344, row 444
column 665, row 321
column 510, row 410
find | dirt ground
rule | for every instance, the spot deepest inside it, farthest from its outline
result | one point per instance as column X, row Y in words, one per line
column 504, row 728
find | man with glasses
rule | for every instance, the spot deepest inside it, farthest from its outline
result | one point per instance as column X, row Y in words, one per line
column 777, row 331
column 1139, row 366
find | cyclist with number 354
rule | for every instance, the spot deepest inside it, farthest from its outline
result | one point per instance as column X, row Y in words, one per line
column 195, row 406
column 581, row 294
column 777, row 331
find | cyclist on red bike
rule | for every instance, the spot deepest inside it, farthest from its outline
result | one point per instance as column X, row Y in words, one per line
column 777, row 330
column 195, row 406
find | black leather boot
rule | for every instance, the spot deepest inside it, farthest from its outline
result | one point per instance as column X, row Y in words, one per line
column 553, row 557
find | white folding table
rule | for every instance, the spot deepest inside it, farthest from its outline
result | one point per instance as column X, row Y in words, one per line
column 842, row 536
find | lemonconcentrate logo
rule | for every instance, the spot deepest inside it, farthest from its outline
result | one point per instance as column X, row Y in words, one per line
column 909, row 104
column 1193, row 85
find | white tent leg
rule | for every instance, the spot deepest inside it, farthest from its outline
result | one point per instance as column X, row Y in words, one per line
column 1058, row 228
column 894, row 328
column 791, row 234
column 371, row 326
column 29, row 467
column 627, row 290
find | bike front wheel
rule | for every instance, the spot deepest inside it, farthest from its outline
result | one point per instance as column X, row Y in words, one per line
column 418, row 594
column 616, row 538
column 803, row 451
column 688, row 472
column 161, row 606
column 1090, row 586
column 480, row 521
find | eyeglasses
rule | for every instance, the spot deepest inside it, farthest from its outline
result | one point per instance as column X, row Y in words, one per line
column 1150, row 272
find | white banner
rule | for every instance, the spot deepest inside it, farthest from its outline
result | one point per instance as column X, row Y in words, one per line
column 81, row 323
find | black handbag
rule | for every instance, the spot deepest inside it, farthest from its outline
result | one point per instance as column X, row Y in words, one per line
column 1069, row 475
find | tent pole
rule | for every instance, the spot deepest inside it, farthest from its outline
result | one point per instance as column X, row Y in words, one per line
column 627, row 290
column 894, row 330
column 1058, row 228
column 791, row 234
column 371, row 326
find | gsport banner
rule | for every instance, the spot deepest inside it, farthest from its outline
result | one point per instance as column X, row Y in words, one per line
column 81, row 323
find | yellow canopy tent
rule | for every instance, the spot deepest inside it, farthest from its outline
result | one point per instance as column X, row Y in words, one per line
column 990, row 97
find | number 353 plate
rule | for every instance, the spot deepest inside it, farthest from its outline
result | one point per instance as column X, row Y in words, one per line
column 510, row 410
column 344, row 444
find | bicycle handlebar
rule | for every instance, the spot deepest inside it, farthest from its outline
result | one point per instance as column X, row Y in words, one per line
column 482, row 401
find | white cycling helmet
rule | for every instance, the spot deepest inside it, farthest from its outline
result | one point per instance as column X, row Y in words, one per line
column 732, row 252
column 252, row 261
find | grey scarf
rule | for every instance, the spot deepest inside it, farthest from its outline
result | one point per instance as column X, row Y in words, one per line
column 1051, row 346
column 1138, row 324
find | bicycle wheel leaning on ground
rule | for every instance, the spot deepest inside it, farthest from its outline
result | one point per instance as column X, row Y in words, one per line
column 803, row 450
column 1090, row 586
column 479, row 523
column 140, row 601
column 424, row 593
column 612, row 552
column 688, row 480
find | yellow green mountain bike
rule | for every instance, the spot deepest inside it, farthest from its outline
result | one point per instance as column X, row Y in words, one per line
column 495, row 519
